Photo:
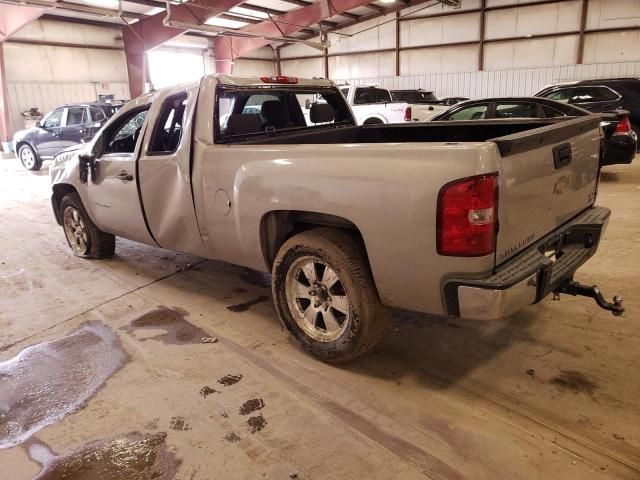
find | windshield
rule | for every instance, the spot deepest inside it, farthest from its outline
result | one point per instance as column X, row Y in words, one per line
column 254, row 111
column 413, row 96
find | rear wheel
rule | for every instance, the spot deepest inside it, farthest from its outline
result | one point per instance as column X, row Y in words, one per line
column 85, row 239
column 325, row 295
column 29, row 158
column 636, row 129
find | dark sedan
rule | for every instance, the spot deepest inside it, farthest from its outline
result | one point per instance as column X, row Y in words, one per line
column 620, row 140
column 59, row 129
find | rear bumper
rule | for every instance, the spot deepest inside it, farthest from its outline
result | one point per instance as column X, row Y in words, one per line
column 531, row 275
column 619, row 149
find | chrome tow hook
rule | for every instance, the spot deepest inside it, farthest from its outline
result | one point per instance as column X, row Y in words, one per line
column 571, row 287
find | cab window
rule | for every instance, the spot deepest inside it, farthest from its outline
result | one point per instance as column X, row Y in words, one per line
column 123, row 134
column 593, row 94
column 77, row 116
column 473, row 112
column 97, row 115
column 516, row 110
column 246, row 112
column 371, row 95
column 54, row 120
column 169, row 126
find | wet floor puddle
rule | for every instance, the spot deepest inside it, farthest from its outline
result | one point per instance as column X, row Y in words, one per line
column 178, row 331
column 46, row 382
column 243, row 307
column 128, row 457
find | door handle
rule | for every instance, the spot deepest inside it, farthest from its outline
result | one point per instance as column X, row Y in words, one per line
column 124, row 176
column 562, row 155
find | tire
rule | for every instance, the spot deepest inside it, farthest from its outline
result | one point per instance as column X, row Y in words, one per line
column 29, row 158
column 84, row 238
column 636, row 129
column 373, row 121
column 351, row 320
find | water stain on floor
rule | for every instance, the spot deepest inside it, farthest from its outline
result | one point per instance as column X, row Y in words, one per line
column 178, row 330
column 243, row 307
column 251, row 406
column 179, row 423
column 229, row 380
column 232, row 437
column 129, row 457
column 575, row 382
column 207, row 390
column 46, row 382
column 253, row 277
column 256, row 423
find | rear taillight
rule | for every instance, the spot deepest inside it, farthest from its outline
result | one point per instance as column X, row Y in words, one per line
column 467, row 216
column 623, row 127
column 281, row 79
column 407, row 114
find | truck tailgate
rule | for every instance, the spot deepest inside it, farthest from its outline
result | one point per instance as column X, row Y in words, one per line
column 547, row 176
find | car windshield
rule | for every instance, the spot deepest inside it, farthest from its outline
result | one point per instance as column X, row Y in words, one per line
column 413, row 96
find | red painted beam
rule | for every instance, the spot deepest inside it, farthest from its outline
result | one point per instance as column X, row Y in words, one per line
column 228, row 48
column 149, row 33
column 14, row 17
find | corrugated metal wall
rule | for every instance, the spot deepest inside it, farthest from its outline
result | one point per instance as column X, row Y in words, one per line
column 47, row 96
column 517, row 81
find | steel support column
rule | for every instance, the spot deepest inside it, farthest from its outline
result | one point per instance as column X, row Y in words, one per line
column 397, row 44
column 583, row 27
column 4, row 100
column 483, row 18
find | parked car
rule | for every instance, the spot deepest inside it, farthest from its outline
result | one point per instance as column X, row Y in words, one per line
column 600, row 95
column 348, row 219
column 373, row 105
column 63, row 127
column 424, row 104
column 620, row 141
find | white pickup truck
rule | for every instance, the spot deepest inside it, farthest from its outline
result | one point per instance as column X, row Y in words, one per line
column 424, row 104
column 473, row 219
column 374, row 106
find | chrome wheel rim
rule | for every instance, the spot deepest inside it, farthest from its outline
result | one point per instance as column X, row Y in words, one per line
column 27, row 158
column 76, row 230
column 317, row 299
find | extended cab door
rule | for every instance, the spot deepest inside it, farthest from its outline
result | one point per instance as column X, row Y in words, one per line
column 112, row 189
column 76, row 127
column 165, row 173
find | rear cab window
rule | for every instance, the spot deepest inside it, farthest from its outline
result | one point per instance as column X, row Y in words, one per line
column 364, row 95
column 246, row 112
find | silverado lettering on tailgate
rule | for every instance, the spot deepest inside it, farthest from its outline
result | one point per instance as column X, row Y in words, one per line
column 516, row 247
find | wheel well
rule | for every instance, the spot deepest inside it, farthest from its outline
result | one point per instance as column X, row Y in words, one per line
column 59, row 191
column 372, row 121
column 278, row 226
column 21, row 143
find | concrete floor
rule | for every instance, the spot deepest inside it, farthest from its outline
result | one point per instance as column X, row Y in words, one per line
column 553, row 392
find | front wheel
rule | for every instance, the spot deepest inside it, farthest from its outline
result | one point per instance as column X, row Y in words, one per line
column 325, row 295
column 85, row 239
column 29, row 158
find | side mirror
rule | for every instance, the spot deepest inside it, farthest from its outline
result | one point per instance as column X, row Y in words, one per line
column 307, row 103
column 39, row 124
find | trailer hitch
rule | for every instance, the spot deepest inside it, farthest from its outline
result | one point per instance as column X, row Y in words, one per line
column 571, row 287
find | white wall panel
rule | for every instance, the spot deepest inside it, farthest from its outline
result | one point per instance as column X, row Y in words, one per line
column 612, row 46
column 253, row 68
column 439, row 59
column 53, row 31
column 523, row 81
column 533, row 20
column 375, row 34
column 264, row 52
column 433, row 9
column 364, row 65
column 306, row 68
column 300, row 50
column 530, row 53
column 433, row 31
column 613, row 13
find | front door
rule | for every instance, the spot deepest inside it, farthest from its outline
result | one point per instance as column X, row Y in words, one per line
column 113, row 189
column 48, row 139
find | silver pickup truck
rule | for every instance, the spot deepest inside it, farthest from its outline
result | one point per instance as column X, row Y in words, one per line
column 473, row 219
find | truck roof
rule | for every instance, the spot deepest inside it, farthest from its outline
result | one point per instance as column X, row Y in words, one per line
column 231, row 80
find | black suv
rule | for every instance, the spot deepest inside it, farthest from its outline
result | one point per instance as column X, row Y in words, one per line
column 600, row 95
column 61, row 128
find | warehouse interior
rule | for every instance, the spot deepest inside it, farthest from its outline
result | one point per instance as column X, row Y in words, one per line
column 162, row 362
